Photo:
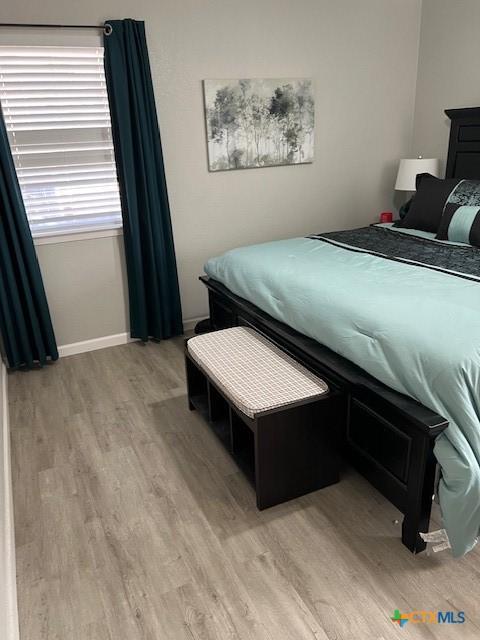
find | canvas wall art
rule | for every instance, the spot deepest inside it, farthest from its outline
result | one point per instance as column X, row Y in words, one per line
column 259, row 122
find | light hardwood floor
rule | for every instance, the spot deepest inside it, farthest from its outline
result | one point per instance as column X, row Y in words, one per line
column 133, row 523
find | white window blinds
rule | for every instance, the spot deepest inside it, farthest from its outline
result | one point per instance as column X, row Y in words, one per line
column 55, row 107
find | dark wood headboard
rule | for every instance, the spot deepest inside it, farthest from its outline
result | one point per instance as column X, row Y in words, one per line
column 464, row 147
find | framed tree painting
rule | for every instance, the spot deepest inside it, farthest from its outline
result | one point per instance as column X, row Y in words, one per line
column 259, row 122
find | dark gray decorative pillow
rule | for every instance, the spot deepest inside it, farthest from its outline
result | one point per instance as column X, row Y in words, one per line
column 460, row 223
column 432, row 197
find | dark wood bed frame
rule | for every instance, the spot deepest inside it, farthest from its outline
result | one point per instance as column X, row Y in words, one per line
column 387, row 436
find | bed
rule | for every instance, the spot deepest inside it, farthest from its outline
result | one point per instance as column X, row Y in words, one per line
column 393, row 319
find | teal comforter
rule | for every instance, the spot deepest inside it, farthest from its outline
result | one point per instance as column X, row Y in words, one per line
column 416, row 329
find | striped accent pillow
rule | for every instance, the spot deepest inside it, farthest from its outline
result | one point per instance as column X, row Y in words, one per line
column 460, row 223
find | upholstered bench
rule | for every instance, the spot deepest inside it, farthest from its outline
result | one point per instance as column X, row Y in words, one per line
column 277, row 418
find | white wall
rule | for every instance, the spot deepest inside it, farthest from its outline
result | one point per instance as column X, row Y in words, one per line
column 448, row 70
column 8, row 590
column 362, row 57
column 86, row 288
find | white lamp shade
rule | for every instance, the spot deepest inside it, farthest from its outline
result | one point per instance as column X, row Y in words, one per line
column 409, row 169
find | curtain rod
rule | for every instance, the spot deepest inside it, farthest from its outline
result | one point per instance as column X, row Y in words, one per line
column 107, row 28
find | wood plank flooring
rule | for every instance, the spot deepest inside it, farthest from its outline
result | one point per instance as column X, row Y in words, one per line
column 133, row 523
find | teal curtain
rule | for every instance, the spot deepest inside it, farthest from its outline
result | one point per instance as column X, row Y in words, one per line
column 25, row 324
column 155, row 310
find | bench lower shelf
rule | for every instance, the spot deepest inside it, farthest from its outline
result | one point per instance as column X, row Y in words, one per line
column 285, row 453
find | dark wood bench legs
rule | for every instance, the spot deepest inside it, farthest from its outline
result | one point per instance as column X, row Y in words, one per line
column 421, row 488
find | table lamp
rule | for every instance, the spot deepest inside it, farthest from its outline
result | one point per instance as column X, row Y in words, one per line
column 408, row 170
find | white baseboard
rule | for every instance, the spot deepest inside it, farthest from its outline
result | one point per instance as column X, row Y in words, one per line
column 110, row 341
column 93, row 344
column 8, row 585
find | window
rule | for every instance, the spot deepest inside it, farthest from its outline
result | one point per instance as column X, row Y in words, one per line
column 55, row 106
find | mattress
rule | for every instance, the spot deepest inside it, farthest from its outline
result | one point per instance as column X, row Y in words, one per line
column 405, row 308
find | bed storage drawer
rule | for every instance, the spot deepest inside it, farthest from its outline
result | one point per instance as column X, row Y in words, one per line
column 379, row 440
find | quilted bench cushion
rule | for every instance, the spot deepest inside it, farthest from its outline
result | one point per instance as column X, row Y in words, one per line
column 251, row 371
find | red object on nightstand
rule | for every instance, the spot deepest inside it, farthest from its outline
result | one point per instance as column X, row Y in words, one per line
column 386, row 216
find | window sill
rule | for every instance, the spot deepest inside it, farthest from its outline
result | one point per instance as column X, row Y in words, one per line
column 77, row 235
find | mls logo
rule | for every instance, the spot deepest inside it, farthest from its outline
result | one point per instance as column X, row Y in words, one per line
column 428, row 617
